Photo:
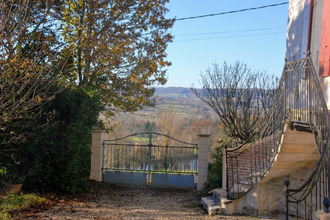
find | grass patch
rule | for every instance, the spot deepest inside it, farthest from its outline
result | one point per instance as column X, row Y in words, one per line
column 16, row 202
column 177, row 108
column 139, row 139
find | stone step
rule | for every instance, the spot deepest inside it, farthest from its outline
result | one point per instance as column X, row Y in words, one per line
column 218, row 194
column 217, row 203
column 241, row 187
column 212, row 206
column 301, row 126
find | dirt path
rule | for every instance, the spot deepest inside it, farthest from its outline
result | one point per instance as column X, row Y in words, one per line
column 105, row 201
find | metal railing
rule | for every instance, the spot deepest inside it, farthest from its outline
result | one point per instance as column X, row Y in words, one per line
column 248, row 163
column 150, row 152
column 298, row 98
column 307, row 104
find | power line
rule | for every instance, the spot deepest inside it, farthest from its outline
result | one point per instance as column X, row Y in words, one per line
column 231, row 12
column 228, row 32
column 233, row 36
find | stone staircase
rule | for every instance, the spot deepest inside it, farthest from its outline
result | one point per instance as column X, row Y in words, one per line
column 296, row 157
column 297, row 150
column 214, row 204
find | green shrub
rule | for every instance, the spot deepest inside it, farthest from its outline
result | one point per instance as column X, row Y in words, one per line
column 57, row 157
column 215, row 171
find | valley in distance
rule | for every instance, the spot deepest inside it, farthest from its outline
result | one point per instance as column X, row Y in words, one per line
column 178, row 113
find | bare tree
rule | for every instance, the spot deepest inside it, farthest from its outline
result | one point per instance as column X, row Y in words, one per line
column 167, row 125
column 240, row 96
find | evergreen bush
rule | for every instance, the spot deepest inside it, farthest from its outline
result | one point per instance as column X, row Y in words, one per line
column 58, row 158
column 215, row 171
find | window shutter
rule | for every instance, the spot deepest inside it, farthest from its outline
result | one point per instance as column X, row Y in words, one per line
column 324, row 61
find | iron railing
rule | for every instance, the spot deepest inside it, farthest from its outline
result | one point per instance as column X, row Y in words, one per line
column 248, row 163
column 150, row 152
column 307, row 104
column 298, row 98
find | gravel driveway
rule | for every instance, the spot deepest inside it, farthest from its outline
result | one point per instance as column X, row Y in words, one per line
column 105, row 201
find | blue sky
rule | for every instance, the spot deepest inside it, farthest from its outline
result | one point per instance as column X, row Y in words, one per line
column 255, row 37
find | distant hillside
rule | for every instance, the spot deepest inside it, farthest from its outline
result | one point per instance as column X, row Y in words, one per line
column 177, row 110
column 174, row 92
column 182, row 100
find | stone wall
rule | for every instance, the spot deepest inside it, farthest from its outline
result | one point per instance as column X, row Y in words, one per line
column 267, row 198
column 271, row 198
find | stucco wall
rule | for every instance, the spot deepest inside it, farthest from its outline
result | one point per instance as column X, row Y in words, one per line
column 297, row 30
column 297, row 36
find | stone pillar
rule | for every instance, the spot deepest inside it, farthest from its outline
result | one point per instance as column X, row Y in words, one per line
column 203, row 159
column 97, row 155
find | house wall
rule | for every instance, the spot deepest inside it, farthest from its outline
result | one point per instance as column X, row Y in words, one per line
column 323, row 34
column 325, row 41
column 298, row 29
column 298, row 33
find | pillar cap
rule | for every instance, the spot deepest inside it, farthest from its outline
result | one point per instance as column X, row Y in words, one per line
column 204, row 135
column 98, row 131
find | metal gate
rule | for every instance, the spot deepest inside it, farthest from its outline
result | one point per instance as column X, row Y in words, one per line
column 150, row 158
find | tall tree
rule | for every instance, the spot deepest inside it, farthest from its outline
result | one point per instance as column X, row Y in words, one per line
column 119, row 48
column 30, row 66
column 240, row 96
column 113, row 50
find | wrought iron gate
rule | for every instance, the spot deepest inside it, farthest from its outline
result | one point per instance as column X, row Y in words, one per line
column 150, row 158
